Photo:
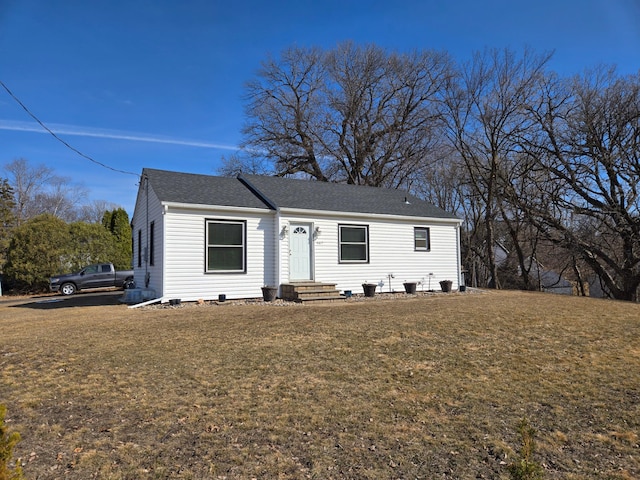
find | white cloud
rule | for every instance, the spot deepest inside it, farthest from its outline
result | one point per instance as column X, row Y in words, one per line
column 60, row 129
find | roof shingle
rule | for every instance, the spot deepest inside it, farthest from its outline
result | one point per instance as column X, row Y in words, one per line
column 196, row 189
column 340, row 197
column 256, row 191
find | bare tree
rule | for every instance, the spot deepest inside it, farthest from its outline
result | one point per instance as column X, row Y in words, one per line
column 61, row 199
column 442, row 181
column 284, row 112
column 27, row 183
column 238, row 163
column 486, row 118
column 382, row 124
column 590, row 153
column 354, row 114
column 37, row 190
column 94, row 211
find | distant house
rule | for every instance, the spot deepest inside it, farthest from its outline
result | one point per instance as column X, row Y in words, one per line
column 200, row 236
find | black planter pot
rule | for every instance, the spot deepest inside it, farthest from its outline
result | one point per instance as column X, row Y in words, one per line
column 462, row 288
column 369, row 289
column 410, row 287
column 445, row 285
column 269, row 293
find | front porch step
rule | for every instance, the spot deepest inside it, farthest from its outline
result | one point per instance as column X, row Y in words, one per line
column 310, row 292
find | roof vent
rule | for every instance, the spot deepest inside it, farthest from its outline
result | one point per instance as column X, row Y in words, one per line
column 406, row 201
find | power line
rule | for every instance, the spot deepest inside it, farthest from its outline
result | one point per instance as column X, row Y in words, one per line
column 60, row 139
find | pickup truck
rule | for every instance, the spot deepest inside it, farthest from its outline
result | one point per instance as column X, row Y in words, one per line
column 93, row 276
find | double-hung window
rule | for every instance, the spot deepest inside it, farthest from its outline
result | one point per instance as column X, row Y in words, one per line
column 354, row 243
column 421, row 240
column 226, row 246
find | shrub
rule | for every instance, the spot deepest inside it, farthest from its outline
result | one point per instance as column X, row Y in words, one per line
column 7, row 442
column 35, row 252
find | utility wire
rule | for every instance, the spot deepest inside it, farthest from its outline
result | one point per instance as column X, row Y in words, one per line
column 60, row 139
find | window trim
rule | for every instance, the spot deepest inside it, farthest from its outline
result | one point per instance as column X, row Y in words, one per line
column 139, row 248
column 427, row 231
column 340, row 243
column 209, row 221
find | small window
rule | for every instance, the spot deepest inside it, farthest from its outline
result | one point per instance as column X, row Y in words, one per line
column 151, row 242
column 354, row 243
column 225, row 246
column 421, row 239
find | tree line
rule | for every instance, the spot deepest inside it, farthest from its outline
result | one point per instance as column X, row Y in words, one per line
column 541, row 167
column 47, row 228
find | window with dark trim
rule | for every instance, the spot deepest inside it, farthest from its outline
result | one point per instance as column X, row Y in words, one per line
column 226, row 246
column 353, row 243
column 421, row 240
column 139, row 248
column 151, row 242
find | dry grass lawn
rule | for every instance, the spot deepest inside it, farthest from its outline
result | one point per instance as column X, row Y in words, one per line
column 427, row 387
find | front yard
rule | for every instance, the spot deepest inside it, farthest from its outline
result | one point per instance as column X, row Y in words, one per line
column 429, row 387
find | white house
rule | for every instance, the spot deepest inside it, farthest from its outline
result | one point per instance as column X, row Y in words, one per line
column 200, row 236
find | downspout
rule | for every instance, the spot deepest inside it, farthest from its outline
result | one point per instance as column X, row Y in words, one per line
column 278, row 248
column 458, row 257
column 146, row 251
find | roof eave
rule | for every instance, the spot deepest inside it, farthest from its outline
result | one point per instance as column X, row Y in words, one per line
column 224, row 208
column 381, row 216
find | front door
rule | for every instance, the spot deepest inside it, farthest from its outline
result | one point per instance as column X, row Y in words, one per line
column 300, row 251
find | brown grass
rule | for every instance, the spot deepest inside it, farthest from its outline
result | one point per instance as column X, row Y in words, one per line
column 430, row 387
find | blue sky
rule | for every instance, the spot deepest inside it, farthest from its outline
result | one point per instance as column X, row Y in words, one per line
column 144, row 83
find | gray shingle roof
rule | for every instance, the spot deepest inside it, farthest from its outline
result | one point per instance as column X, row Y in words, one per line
column 287, row 193
column 201, row 189
column 339, row 197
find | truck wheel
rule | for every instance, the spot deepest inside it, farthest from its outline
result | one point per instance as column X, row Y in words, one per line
column 67, row 289
column 128, row 283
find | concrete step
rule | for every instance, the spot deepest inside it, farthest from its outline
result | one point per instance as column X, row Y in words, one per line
column 310, row 291
column 322, row 299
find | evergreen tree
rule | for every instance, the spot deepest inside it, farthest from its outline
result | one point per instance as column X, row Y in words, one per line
column 7, row 218
column 117, row 222
column 90, row 243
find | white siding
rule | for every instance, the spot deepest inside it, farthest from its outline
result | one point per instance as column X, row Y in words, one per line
column 185, row 276
column 140, row 223
column 391, row 251
column 179, row 266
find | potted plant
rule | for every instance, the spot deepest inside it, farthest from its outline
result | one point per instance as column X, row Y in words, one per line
column 269, row 293
column 410, row 287
column 445, row 285
column 369, row 289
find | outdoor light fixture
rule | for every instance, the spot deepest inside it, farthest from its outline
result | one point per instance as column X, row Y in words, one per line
column 284, row 231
